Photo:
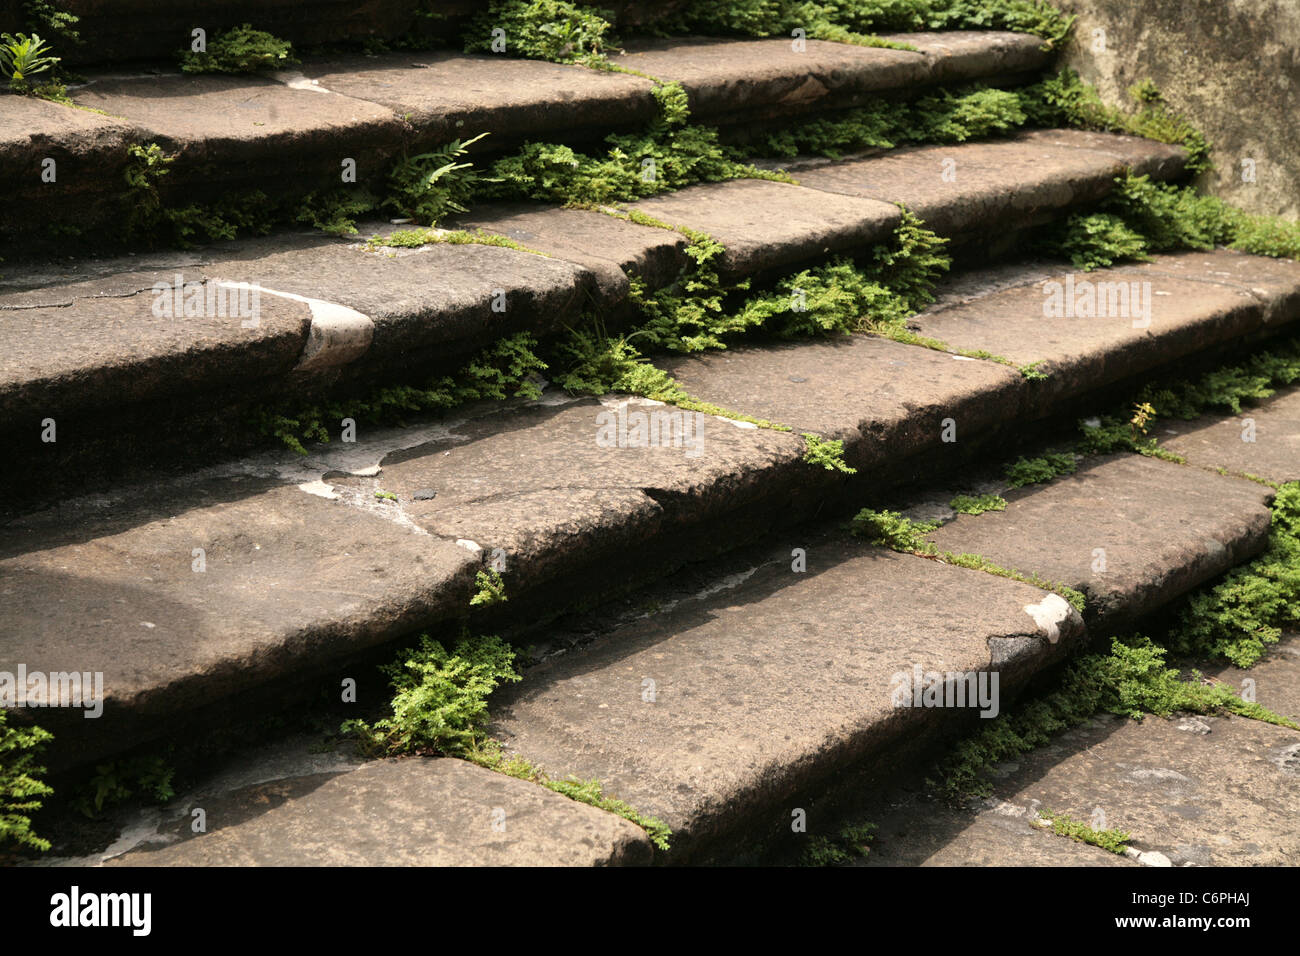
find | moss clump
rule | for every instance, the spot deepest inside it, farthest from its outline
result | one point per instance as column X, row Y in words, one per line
column 541, row 30
column 1115, row 841
column 240, row 50
column 115, row 782
column 891, row 530
column 825, row 453
column 851, row 843
column 440, row 704
column 491, row 589
column 21, row 787
column 1248, row 609
column 977, row 504
column 1031, row 471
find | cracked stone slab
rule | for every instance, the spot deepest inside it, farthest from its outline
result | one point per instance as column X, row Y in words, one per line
column 289, row 581
column 1130, row 532
column 769, row 225
column 541, row 486
column 417, row 811
column 432, row 296
column 710, row 715
column 728, row 79
column 99, row 342
column 885, row 400
column 1264, row 440
column 1087, row 330
column 1021, row 180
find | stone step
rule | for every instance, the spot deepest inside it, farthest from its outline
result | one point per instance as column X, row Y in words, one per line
column 86, row 344
column 210, row 594
column 762, row 693
column 290, row 805
column 289, row 133
column 1189, row 791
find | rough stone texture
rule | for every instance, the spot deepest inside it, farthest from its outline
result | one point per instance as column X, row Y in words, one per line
column 1019, row 181
column 610, row 248
column 768, row 225
column 291, row 581
column 885, row 400
column 1139, row 333
column 412, row 812
column 763, row 689
column 1220, row 441
column 729, row 80
column 459, row 95
column 1206, row 56
column 87, row 149
column 1201, row 791
column 1164, row 529
column 431, row 296
column 539, row 486
column 87, row 343
column 236, row 130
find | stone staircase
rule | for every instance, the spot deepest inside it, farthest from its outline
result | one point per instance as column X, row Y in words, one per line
column 769, row 687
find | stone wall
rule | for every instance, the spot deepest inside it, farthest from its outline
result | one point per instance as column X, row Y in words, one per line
column 1231, row 66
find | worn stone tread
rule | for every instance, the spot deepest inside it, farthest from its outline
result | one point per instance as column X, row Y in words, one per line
column 1189, row 790
column 412, row 812
column 1162, row 529
column 764, row 688
column 1262, row 440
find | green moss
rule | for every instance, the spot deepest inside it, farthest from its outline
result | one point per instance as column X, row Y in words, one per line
column 440, row 699
column 414, row 238
column 503, row 370
column 849, row 844
column 977, row 504
column 240, row 50
column 1066, row 100
column 1115, row 841
column 21, row 786
column 119, row 780
column 491, row 589
column 892, row 530
column 1245, row 612
column 541, row 30
column 825, row 453
column 978, row 562
column 1031, row 471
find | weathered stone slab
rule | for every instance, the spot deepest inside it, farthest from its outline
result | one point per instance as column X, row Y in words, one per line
column 250, row 132
column 885, row 400
column 1263, row 440
column 430, row 296
column 727, row 79
column 413, row 812
column 553, row 491
column 770, row 225
column 767, row 687
column 611, row 248
column 289, row 581
column 86, row 344
column 459, row 95
column 1088, row 330
column 1019, row 181
column 88, row 150
column 1130, row 532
